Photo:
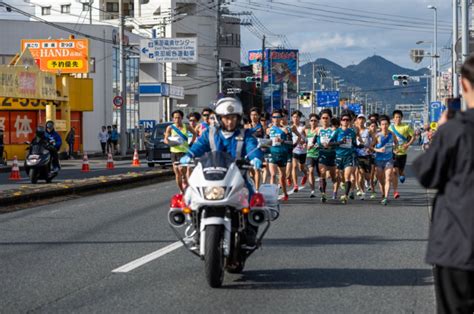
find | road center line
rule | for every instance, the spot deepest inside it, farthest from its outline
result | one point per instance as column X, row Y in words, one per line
column 148, row 258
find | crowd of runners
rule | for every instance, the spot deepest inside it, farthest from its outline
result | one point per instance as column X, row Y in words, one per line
column 363, row 157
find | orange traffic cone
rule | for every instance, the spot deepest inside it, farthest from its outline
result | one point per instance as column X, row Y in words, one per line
column 85, row 163
column 110, row 162
column 136, row 160
column 15, row 174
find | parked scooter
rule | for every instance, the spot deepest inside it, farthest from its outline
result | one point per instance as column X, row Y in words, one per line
column 38, row 161
column 217, row 216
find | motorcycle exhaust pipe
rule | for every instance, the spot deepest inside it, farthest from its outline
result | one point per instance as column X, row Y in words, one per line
column 176, row 217
column 258, row 217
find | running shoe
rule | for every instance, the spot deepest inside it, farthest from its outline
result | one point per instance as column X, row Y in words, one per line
column 312, row 194
column 303, row 181
column 295, row 189
column 402, row 179
column 343, row 199
column 351, row 195
column 323, row 198
column 384, row 202
column 396, row 195
column 285, row 198
column 373, row 195
column 359, row 193
column 362, row 196
column 334, row 195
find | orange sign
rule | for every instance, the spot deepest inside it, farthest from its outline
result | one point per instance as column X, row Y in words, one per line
column 59, row 55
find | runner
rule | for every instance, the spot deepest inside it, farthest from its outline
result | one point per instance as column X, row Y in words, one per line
column 299, row 150
column 363, row 156
column 384, row 145
column 206, row 120
column 335, row 124
column 373, row 127
column 312, row 157
column 179, row 130
column 327, row 154
column 257, row 131
column 193, row 119
column 279, row 151
column 405, row 137
column 346, row 140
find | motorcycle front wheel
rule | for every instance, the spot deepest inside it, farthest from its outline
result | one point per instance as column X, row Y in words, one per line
column 34, row 175
column 214, row 258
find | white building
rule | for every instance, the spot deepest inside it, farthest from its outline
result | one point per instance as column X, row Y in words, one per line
column 171, row 18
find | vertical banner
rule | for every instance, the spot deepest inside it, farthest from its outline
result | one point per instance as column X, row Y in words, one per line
column 435, row 111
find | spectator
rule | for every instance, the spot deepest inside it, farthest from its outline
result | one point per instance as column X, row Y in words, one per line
column 70, row 138
column 103, row 137
column 115, row 138
column 448, row 167
column 109, row 139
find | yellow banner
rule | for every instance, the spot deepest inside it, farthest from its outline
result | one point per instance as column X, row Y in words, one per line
column 10, row 103
column 27, row 82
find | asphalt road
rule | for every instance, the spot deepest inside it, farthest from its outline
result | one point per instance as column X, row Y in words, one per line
column 317, row 258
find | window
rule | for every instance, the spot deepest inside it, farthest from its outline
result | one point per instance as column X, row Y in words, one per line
column 85, row 6
column 45, row 10
column 185, row 8
column 112, row 7
column 66, row 8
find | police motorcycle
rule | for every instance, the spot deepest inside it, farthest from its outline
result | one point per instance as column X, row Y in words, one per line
column 38, row 161
column 214, row 218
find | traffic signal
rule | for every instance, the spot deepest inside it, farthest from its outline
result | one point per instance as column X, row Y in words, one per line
column 402, row 79
column 254, row 79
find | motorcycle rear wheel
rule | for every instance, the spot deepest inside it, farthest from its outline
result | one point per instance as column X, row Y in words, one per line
column 214, row 258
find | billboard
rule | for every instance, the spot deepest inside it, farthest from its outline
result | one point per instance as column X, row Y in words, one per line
column 19, row 82
column 280, row 82
column 59, row 55
column 173, row 50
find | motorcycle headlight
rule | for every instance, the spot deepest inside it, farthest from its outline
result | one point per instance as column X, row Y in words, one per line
column 214, row 193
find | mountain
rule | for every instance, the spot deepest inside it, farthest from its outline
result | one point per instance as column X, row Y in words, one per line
column 372, row 76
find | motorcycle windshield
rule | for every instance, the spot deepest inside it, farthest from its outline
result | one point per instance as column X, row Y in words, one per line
column 215, row 165
column 36, row 149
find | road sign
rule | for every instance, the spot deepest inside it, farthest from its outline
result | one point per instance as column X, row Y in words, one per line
column 434, row 125
column 147, row 124
column 435, row 111
column 357, row 108
column 118, row 101
column 173, row 50
column 63, row 55
column 327, row 98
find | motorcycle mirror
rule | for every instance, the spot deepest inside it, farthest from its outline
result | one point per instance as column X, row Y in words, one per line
column 264, row 143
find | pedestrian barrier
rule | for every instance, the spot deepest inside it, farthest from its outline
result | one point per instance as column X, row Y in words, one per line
column 15, row 174
column 85, row 163
column 136, row 160
column 110, row 162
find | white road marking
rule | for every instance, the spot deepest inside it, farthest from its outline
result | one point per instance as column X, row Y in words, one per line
column 148, row 258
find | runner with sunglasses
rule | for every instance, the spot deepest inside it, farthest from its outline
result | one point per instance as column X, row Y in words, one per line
column 327, row 154
column 206, row 120
column 279, row 134
column 257, row 130
column 299, row 150
column 363, row 156
column 312, row 156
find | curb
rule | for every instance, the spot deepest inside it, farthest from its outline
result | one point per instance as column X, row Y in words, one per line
column 92, row 185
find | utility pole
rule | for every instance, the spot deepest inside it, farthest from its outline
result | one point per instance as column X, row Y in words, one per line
column 454, row 75
column 218, row 37
column 123, row 85
column 90, row 11
column 435, row 57
column 464, row 36
column 313, row 109
column 220, row 76
column 262, row 74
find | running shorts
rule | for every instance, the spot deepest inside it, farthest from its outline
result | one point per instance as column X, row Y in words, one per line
column 300, row 157
column 384, row 164
column 328, row 160
column 343, row 162
column 400, row 162
column 364, row 163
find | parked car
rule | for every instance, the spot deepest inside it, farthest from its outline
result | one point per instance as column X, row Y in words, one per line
column 157, row 152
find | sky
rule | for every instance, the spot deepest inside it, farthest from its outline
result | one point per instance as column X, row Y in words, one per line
column 348, row 31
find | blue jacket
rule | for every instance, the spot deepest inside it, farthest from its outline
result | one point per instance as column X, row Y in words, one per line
column 229, row 145
column 57, row 139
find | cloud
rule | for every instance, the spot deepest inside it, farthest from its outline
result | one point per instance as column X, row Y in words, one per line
column 327, row 41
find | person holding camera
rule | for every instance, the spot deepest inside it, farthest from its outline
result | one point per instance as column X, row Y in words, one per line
column 448, row 166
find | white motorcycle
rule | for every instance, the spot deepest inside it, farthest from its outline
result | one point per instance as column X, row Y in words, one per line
column 215, row 219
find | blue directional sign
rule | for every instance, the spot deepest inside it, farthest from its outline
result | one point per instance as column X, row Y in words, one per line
column 327, row 98
column 435, row 111
column 357, row 108
column 147, row 124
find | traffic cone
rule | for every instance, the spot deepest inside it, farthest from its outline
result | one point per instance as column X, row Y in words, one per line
column 85, row 163
column 110, row 162
column 15, row 174
column 136, row 160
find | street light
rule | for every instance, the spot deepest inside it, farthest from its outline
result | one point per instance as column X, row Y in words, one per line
column 432, row 58
column 435, row 60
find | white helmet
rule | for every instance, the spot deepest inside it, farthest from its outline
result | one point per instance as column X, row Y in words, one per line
column 229, row 106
